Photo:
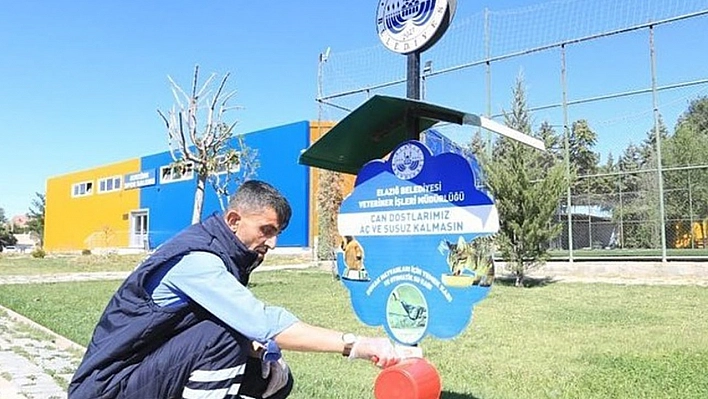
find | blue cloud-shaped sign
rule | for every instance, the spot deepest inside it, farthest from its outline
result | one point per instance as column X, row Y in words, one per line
column 414, row 256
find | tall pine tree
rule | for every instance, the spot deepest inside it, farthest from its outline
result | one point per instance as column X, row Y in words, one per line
column 527, row 185
column 36, row 216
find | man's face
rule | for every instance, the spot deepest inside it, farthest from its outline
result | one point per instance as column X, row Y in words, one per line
column 257, row 230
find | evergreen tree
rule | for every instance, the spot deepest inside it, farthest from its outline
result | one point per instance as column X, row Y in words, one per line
column 520, row 118
column 478, row 145
column 526, row 193
column 583, row 160
column 553, row 143
column 6, row 237
column 696, row 116
column 686, row 189
column 606, row 185
column 638, row 211
column 36, row 216
column 648, row 146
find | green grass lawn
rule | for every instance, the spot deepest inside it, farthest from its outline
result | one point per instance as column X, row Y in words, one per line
column 26, row 265
column 553, row 341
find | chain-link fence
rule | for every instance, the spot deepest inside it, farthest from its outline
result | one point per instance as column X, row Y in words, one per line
column 606, row 77
column 621, row 211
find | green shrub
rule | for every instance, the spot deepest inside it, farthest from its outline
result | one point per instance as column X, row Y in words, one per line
column 85, row 251
column 39, row 253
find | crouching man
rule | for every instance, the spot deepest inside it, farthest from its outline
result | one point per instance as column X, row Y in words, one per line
column 185, row 325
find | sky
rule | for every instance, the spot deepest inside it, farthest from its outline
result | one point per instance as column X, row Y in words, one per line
column 82, row 81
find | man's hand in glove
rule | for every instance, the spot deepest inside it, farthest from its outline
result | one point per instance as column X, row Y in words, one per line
column 378, row 350
column 278, row 371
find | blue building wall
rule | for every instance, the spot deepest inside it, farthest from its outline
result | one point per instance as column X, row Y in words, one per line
column 278, row 151
column 170, row 204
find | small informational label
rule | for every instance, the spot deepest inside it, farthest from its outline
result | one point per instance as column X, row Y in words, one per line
column 140, row 179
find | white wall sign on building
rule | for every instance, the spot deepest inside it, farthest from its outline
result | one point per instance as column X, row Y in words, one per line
column 413, row 25
column 140, row 179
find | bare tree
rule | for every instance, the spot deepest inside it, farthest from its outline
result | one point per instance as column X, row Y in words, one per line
column 329, row 199
column 202, row 140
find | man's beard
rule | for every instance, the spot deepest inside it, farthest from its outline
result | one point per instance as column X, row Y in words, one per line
column 256, row 263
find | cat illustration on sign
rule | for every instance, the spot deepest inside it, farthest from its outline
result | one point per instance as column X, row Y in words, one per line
column 354, row 260
column 470, row 263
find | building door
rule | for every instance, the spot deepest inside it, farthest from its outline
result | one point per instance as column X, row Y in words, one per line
column 139, row 229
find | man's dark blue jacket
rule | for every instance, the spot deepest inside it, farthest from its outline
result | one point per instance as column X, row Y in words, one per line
column 132, row 325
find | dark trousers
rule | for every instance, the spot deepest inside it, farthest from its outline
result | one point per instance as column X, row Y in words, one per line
column 204, row 361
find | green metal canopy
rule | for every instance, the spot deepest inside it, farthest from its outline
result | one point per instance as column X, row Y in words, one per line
column 380, row 124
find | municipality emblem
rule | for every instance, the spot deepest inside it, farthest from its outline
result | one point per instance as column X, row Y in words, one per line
column 407, row 161
column 412, row 25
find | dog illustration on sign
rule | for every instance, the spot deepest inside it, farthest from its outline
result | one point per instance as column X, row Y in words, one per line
column 470, row 263
column 354, row 260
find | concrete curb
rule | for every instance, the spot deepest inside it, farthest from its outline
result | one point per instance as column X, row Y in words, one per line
column 630, row 273
column 36, row 364
column 61, row 342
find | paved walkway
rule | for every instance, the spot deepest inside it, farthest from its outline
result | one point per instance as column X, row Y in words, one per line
column 618, row 272
column 36, row 363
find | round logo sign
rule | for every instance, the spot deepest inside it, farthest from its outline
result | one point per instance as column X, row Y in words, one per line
column 407, row 161
column 405, row 26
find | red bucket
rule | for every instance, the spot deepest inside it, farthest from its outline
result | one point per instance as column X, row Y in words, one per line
column 413, row 378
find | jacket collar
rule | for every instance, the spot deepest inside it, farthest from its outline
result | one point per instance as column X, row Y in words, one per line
column 244, row 259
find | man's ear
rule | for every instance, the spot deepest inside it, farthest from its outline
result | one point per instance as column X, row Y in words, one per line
column 232, row 218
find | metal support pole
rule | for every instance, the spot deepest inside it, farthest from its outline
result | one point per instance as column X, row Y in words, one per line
column 413, row 92
column 690, row 211
column 488, row 70
column 657, row 134
column 422, row 87
column 566, row 139
column 590, row 240
column 413, row 76
column 621, row 233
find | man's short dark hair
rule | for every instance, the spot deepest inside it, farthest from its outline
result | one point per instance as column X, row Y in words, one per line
column 256, row 195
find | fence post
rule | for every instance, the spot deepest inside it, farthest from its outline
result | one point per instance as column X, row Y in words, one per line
column 621, row 232
column 488, row 73
column 657, row 134
column 566, row 144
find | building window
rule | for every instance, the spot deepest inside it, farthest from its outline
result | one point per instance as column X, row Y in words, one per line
column 82, row 189
column 173, row 173
column 221, row 168
column 109, row 184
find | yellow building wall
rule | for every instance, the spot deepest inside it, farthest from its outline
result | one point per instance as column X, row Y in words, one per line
column 317, row 130
column 695, row 237
column 98, row 220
